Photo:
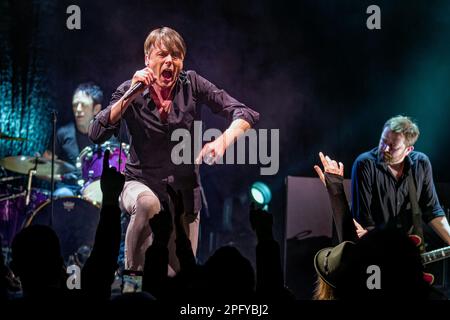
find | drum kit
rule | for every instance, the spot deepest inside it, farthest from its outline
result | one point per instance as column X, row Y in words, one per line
column 74, row 218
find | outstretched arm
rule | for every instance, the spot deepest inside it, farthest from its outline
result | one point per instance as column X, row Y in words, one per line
column 217, row 147
column 98, row 272
column 332, row 177
column 220, row 102
column 432, row 212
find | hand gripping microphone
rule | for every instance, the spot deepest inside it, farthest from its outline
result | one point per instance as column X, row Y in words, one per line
column 135, row 88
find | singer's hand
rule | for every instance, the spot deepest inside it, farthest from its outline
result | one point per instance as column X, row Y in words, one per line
column 214, row 150
column 145, row 76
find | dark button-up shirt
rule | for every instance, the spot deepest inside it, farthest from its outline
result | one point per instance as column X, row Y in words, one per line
column 149, row 160
column 379, row 199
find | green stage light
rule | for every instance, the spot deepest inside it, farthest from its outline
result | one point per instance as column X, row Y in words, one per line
column 261, row 193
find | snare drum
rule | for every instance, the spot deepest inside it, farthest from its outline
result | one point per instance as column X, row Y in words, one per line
column 74, row 220
column 90, row 161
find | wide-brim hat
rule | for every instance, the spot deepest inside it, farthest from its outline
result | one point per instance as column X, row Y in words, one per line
column 331, row 262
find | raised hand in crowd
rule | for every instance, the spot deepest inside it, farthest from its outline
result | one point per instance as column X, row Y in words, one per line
column 183, row 244
column 161, row 225
column 261, row 222
column 332, row 176
column 329, row 166
column 98, row 272
column 157, row 254
column 269, row 274
column 111, row 182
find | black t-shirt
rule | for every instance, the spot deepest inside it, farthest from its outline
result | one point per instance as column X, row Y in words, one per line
column 69, row 143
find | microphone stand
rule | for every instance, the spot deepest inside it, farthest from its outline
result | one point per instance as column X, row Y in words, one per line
column 52, row 178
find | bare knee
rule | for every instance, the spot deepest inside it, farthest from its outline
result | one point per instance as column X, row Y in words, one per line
column 147, row 204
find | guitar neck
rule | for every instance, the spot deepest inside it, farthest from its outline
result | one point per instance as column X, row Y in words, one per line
column 435, row 255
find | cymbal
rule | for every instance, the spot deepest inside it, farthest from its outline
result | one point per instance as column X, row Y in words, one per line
column 23, row 164
column 6, row 137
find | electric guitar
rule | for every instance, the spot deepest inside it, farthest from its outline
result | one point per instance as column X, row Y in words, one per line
column 431, row 256
column 435, row 255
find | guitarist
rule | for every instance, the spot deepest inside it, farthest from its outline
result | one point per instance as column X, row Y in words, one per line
column 348, row 230
column 392, row 185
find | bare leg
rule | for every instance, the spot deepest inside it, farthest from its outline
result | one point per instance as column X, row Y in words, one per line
column 138, row 238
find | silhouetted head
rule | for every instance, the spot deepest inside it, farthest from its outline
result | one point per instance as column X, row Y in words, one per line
column 388, row 267
column 229, row 274
column 132, row 299
column 36, row 259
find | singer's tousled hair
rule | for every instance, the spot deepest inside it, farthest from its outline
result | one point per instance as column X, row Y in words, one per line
column 169, row 38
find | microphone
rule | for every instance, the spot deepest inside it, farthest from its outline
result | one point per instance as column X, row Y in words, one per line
column 135, row 88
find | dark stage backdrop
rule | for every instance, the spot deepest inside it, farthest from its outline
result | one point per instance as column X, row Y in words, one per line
column 311, row 68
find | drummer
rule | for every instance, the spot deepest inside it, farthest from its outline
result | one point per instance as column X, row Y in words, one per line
column 72, row 138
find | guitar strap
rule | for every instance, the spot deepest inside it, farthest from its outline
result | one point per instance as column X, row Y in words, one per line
column 416, row 212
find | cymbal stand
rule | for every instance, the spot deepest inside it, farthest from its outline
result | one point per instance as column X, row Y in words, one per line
column 31, row 172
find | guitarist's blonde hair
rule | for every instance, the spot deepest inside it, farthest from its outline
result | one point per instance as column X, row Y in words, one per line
column 323, row 290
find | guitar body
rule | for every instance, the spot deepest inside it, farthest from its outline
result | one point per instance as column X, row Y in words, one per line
column 430, row 257
column 428, row 277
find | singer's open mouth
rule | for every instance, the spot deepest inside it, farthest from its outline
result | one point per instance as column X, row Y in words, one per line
column 167, row 74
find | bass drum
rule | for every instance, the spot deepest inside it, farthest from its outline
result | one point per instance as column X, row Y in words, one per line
column 75, row 222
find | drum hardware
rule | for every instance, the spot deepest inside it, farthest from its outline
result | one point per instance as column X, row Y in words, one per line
column 16, row 206
column 10, row 138
column 13, row 196
column 90, row 162
column 14, row 212
column 20, row 209
column 82, row 254
column 23, row 164
column 30, row 178
column 5, row 179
